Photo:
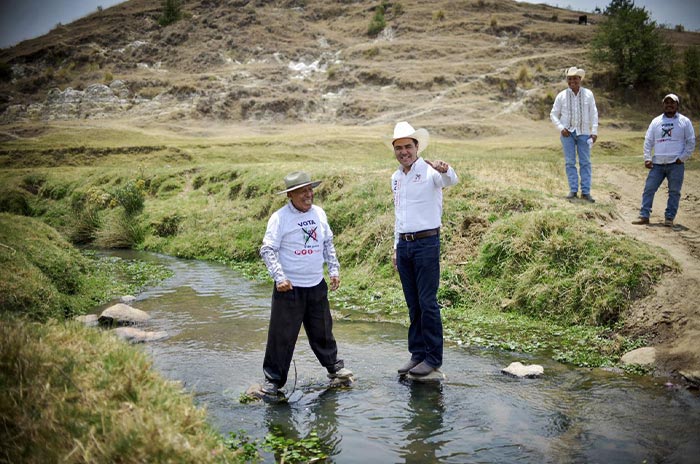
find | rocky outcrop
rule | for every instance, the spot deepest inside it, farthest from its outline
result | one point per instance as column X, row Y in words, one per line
column 96, row 101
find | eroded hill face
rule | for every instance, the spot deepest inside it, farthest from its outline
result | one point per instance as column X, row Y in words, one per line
column 465, row 65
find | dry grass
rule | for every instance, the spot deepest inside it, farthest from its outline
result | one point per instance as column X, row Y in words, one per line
column 72, row 394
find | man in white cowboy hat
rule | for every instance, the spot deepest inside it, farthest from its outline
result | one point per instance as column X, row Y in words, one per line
column 297, row 242
column 575, row 115
column 417, row 187
column 672, row 138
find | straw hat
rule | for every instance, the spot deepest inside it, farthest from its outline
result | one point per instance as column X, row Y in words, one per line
column 298, row 179
column 574, row 71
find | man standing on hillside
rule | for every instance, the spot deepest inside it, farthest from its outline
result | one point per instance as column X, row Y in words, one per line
column 576, row 116
column 672, row 137
column 297, row 242
column 417, row 187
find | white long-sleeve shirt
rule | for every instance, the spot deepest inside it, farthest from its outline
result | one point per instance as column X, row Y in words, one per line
column 418, row 197
column 296, row 244
column 575, row 112
column 670, row 138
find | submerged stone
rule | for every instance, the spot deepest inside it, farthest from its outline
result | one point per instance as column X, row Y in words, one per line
column 256, row 392
column 134, row 335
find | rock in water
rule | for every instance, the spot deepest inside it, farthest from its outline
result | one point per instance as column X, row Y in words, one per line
column 517, row 369
column 435, row 376
column 122, row 314
column 342, row 382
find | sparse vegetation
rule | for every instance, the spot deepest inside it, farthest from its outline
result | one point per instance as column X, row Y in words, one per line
column 378, row 23
column 524, row 77
column 5, row 72
column 171, row 12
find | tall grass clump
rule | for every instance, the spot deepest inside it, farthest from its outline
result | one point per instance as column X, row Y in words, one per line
column 551, row 265
column 75, row 394
column 42, row 275
column 378, row 23
column 171, row 12
column 122, row 227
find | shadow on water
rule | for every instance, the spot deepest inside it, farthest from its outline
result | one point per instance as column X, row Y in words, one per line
column 218, row 326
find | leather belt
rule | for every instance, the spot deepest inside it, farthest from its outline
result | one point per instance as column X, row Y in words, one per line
column 410, row 237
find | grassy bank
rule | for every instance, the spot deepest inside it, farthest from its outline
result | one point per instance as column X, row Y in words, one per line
column 511, row 247
column 522, row 269
column 75, row 394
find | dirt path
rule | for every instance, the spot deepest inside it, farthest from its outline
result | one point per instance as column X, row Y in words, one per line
column 670, row 317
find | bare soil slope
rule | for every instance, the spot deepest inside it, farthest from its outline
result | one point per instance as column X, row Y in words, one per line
column 670, row 317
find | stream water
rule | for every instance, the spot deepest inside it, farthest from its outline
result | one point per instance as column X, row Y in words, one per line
column 218, row 326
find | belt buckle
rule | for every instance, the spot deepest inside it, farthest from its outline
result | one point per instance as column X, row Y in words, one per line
column 409, row 237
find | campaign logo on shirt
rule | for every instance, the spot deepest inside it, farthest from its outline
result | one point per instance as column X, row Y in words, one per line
column 309, row 234
column 417, row 178
column 666, row 130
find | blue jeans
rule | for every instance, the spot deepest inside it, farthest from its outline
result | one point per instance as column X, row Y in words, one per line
column 418, row 263
column 658, row 172
column 572, row 144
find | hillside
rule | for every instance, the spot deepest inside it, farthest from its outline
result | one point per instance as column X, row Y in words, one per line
column 464, row 66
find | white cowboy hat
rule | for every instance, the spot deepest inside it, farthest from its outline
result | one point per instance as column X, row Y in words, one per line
column 298, row 179
column 404, row 130
column 574, row 71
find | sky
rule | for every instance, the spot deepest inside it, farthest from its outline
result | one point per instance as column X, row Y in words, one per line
column 669, row 12
column 26, row 19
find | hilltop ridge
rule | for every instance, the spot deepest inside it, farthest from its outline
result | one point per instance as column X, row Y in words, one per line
column 303, row 61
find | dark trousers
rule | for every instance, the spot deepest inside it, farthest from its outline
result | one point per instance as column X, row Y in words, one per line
column 301, row 305
column 418, row 263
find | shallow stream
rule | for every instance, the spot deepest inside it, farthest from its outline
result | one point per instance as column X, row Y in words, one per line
column 218, row 326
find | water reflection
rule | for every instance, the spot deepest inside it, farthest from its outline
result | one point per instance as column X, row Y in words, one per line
column 424, row 426
column 315, row 412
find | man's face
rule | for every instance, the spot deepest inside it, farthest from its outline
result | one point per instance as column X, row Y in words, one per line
column 574, row 82
column 670, row 106
column 302, row 198
column 406, row 151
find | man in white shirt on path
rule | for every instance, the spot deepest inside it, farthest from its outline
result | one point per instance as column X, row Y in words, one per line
column 417, row 187
column 672, row 138
column 575, row 115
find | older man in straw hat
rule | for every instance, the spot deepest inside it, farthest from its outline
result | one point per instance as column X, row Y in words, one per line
column 417, row 186
column 576, row 116
column 297, row 242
